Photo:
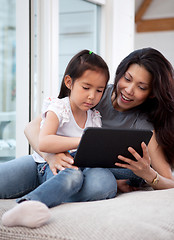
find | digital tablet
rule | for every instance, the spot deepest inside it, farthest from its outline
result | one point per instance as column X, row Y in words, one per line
column 99, row 147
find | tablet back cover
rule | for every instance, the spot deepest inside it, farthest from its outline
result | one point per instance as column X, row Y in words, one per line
column 99, row 147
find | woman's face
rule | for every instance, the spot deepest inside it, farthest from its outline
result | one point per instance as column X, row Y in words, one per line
column 133, row 88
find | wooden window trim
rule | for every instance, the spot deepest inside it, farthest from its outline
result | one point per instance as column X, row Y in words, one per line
column 151, row 25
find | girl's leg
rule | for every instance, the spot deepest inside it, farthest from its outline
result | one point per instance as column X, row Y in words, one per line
column 99, row 183
column 28, row 214
column 52, row 191
column 18, row 177
column 55, row 189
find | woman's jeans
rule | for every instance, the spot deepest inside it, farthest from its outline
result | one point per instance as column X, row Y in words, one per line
column 23, row 178
column 132, row 179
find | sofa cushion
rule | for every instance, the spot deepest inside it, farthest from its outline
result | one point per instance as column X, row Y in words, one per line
column 140, row 215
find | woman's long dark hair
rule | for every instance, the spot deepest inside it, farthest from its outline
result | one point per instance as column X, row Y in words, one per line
column 160, row 108
column 82, row 61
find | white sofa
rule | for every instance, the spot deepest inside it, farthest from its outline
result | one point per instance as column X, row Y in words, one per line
column 140, row 215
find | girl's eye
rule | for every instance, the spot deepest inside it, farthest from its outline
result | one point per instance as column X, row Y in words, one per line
column 99, row 91
column 86, row 88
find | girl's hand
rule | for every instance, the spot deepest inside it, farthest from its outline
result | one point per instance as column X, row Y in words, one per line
column 59, row 161
column 141, row 167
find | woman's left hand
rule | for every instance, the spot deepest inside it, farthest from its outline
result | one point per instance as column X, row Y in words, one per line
column 141, row 167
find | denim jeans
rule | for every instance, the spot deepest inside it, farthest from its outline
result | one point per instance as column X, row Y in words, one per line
column 24, row 179
column 18, row 177
column 132, row 179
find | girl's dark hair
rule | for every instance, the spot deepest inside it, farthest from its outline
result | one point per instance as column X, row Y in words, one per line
column 160, row 108
column 82, row 61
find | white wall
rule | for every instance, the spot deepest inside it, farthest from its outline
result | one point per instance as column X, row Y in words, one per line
column 161, row 40
column 118, row 19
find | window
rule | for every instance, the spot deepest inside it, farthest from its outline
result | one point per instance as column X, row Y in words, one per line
column 79, row 28
column 59, row 29
column 68, row 26
column 7, row 80
column 62, row 28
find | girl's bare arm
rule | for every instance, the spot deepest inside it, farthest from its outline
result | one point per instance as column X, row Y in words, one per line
column 56, row 161
column 50, row 142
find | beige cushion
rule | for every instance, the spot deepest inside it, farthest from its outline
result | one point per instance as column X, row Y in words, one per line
column 140, row 215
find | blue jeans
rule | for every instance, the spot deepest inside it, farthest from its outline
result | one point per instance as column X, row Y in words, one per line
column 132, row 179
column 18, row 177
column 26, row 179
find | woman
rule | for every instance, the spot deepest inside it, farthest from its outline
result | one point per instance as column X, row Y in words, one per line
column 143, row 97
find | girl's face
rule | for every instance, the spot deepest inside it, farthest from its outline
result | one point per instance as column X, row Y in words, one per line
column 133, row 88
column 87, row 90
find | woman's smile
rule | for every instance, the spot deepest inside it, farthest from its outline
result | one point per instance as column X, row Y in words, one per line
column 133, row 88
column 125, row 99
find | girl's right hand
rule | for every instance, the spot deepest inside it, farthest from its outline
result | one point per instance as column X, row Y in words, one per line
column 59, row 161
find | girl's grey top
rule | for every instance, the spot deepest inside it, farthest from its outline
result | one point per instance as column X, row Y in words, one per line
column 130, row 119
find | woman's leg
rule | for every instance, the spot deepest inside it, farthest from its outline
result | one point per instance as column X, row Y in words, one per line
column 18, row 177
column 99, row 183
column 55, row 189
column 123, row 173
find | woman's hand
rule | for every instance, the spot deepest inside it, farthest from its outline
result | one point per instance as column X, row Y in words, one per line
column 141, row 167
column 59, row 161
column 153, row 162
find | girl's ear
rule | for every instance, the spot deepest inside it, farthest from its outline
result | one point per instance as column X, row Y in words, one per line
column 68, row 81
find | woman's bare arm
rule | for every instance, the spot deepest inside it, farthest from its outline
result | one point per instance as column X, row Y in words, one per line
column 32, row 134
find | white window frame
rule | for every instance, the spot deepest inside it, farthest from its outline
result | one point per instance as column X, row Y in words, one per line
column 47, row 52
column 49, row 46
column 22, row 75
column 99, row 2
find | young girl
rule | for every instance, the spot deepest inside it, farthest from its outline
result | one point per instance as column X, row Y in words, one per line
column 64, row 119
